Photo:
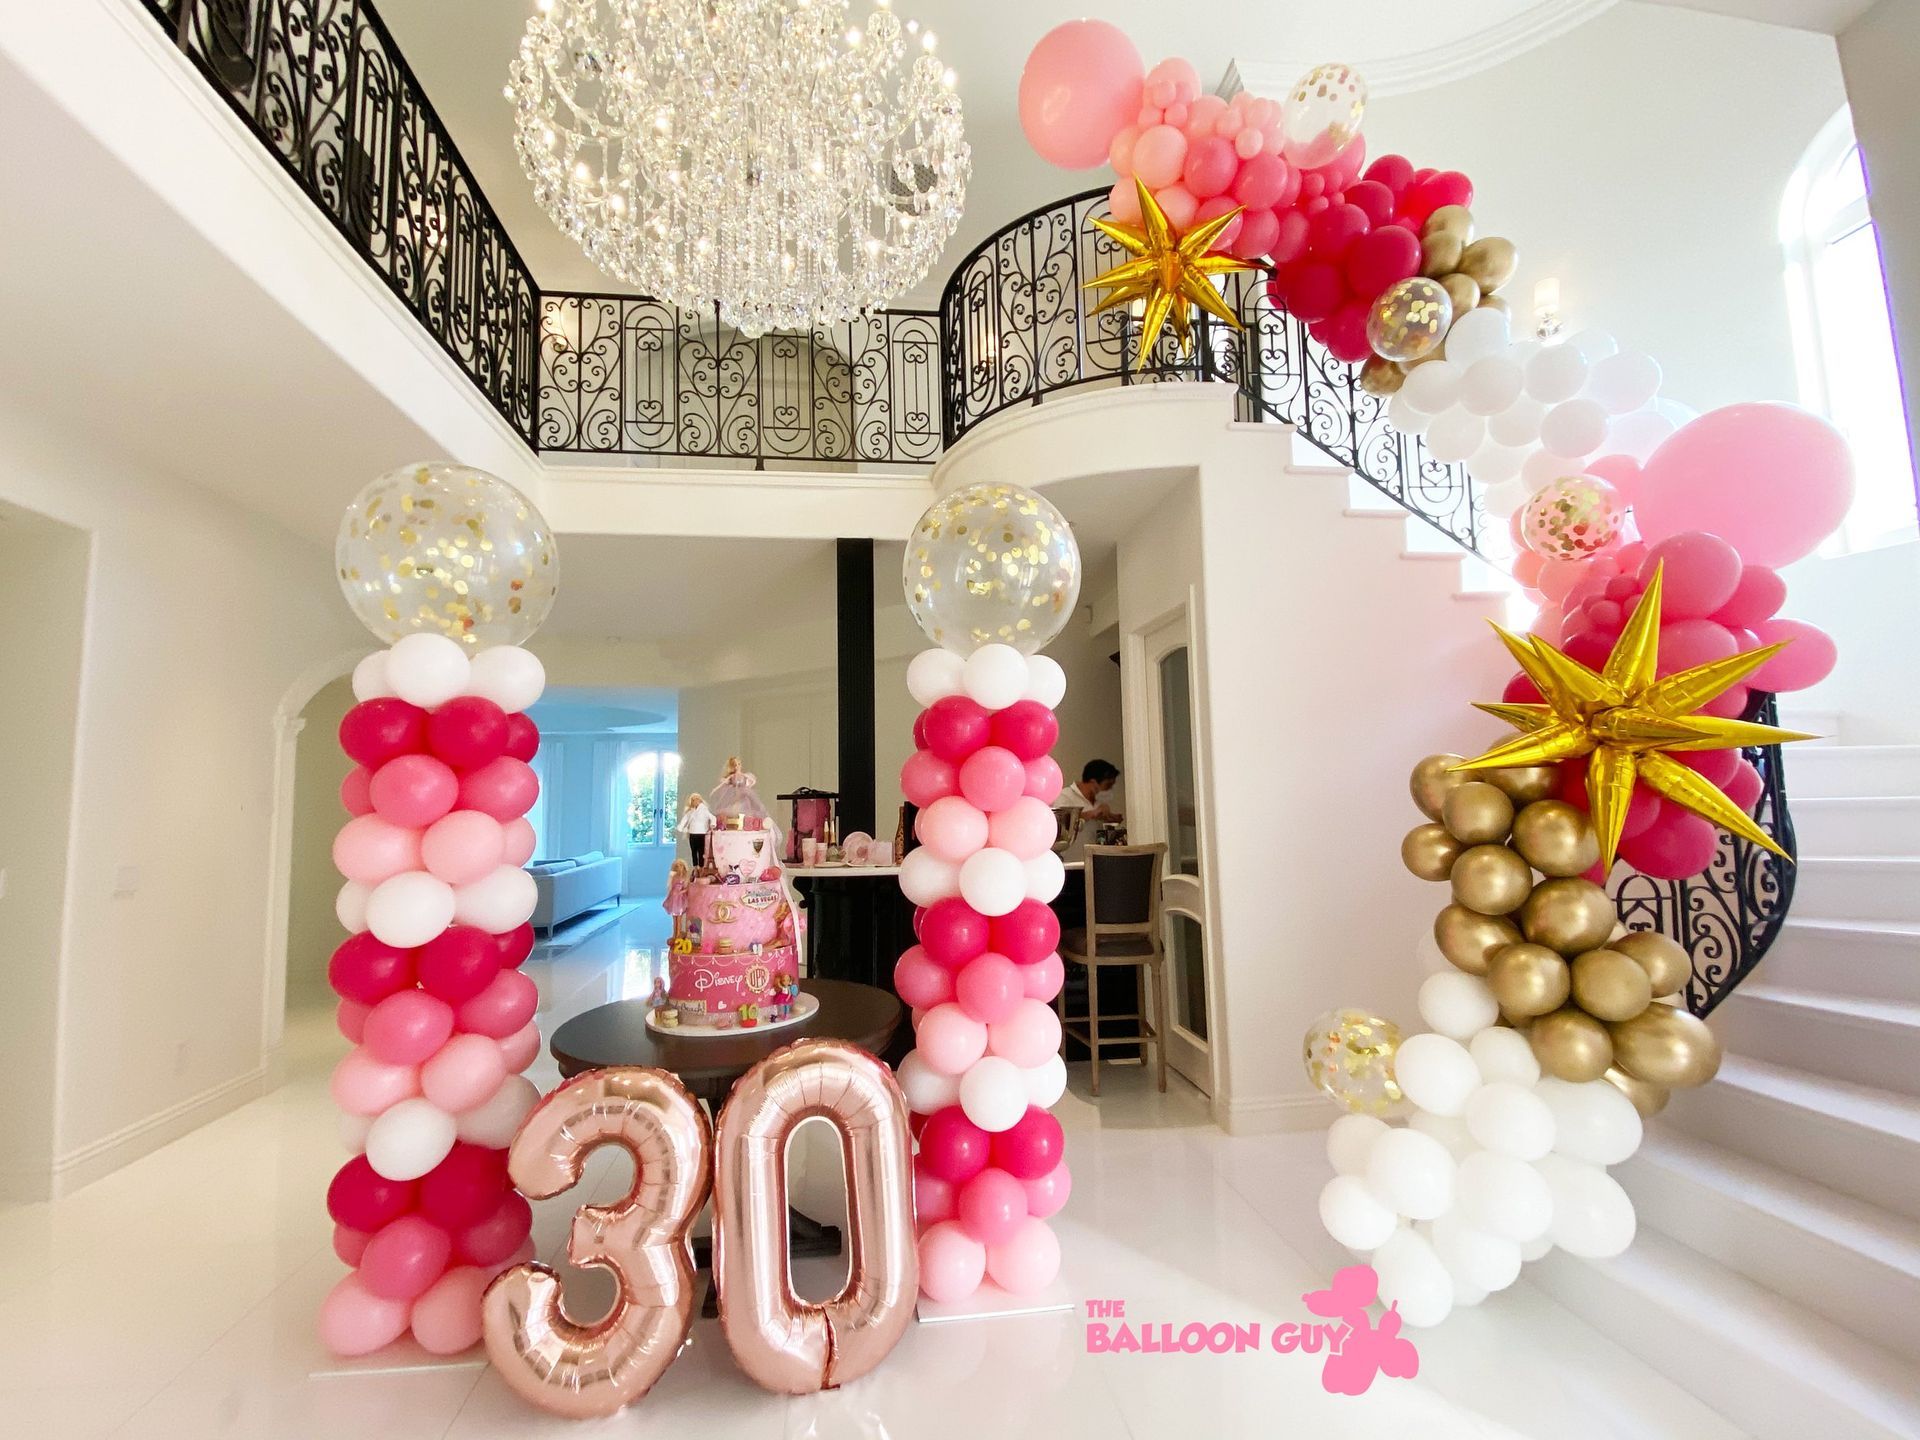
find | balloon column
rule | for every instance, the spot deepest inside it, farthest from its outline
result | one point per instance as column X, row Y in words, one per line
column 992, row 574
column 436, row 559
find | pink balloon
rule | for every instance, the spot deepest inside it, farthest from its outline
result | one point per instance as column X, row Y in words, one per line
column 1719, row 766
column 992, row 778
column 952, row 1263
column 949, row 1039
column 1043, row 779
column 1745, row 787
column 370, row 850
column 1701, row 573
column 1180, row 78
column 493, row 1239
column 1048, row 1195
column 926, row 778
column 503, row 1007
column 1558, row 577
column 989, row 988
column 1028, row 1260
column 505, row 788
column 1212, row 210
column 464, row 846
column 1758, row 596
column 1620, row 471
column 991, row 1207
column 1158, row 156
column 413, row 790
column 355, row 791
column 406, row 1028
column 1120, row 153
column 517, row 842
column 1044, row 977
column 1210, row 167
column 349, row 1244
column 1687, row 643
column 1123, row 201
column 362, row 1085
column 1026, row 828
column 933, row 1197
column 1080, row 85
column 921, row 981
column 1026, row 1037
column 951, row 827
column 465, row 1072
column 350, row 1016
column 1676, row 846
column 955, row 727
column 1179, row 206
column 1808, row 659
column 1771, row 480
column 1204, row 116
column 1729, row 704
column 355, row 1321
column 404, row 1258
column 522, row 1048
column 446, row 1320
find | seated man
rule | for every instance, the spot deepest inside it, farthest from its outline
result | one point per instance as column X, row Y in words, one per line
column 1088, row 805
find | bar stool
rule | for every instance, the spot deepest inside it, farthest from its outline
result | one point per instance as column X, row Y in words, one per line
column 1123, row 928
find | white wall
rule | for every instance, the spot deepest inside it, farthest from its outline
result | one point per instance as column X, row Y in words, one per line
column 313, row 930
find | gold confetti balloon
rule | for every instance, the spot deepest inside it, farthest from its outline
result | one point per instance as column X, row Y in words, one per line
column 1322, row 114
column 1572, row 518
column 992, row 564
column 446, row 549
column 1349, row 1056
column 1410, row 319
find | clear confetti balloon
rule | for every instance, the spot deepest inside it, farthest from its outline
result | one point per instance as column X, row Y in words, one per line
column 1572, row 518
column 1323, row 114
column 1410, row 319
column 446, row 549
column 1349, row 1056
column 992, row 564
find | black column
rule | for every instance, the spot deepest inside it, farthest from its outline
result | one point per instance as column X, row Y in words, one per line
column 854, row 615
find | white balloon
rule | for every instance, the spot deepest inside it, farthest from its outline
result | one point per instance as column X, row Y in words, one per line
column 1402, row 416
column 926, row 1089
column 370, row 677
column 1455, row 435
column 1592, row 1216
column 1592, row 1121
column 512, row 677
column 1046, row 877
column 1432, row 387
column 1350, row 1141
column 1412, row 1279
column 1491, row 384
column 409, row 1138
column 352, row 1130
column 1046, row 1082
column 1557, row 373
column 1593, row 345
column 1466, row 1296
column 991, row 881
column 925, row 877
column 1502, row 1196
column 1519, row 424
column 1543, row 467
column 1457, row 1004
column 1491, row 464
column 1411, row 1173
column 995, row 676
column 494, row 1122
column 410, row 908
column 497, row 903
column 1046, row 681
column 1638, row 433
column 1483, row 1261
column 993, row 1094
column 1574, row 428
column 1511, row 1120
column 1675, row 411
column 1436, row 1073
column 1353, row 1216
column 1504, row 1055
column 1625, row 381
column 1500, row 501
column 1427, row 954
column 427, row 669
column 1538, row 1247
column 934, row 675
column 1477, row 335
column 1449, row 1130
column 350, row 905
column 1521, row 351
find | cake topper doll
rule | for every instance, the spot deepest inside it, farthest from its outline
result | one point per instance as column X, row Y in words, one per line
column 696, row 820
column 679, row 883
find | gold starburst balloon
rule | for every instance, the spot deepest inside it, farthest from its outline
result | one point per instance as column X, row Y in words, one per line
column 1630, row 724
column 1166, row 273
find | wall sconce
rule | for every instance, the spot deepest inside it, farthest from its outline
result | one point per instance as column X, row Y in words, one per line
column 1546, row 308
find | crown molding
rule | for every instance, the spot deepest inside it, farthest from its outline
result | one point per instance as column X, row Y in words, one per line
column 1424, row 69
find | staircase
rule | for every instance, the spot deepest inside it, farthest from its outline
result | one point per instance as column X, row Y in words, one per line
column 1777, row 1270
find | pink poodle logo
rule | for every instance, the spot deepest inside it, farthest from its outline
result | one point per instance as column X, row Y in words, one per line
column 1356, row 1349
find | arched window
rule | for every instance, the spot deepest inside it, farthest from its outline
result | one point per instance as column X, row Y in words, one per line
column 1843, row 334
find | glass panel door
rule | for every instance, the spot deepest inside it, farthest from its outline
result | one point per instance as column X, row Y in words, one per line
column 1176, row 730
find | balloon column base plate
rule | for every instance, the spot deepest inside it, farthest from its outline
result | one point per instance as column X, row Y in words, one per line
column 990, row 1302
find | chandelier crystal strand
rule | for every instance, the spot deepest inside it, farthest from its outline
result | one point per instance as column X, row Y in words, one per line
column 772, row 157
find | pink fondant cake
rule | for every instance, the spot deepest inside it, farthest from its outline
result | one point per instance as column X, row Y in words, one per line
column 743, row 958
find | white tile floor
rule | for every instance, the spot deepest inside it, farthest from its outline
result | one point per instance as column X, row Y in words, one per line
column 176, row 1297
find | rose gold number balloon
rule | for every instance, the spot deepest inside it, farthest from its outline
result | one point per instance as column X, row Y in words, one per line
column 584, row 1370
column 784, row 1342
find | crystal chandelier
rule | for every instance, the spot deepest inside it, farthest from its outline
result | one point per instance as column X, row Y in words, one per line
column 767, row 156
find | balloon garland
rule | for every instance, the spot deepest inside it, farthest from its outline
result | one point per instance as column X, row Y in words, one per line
column 992, row 574
column 436, row 559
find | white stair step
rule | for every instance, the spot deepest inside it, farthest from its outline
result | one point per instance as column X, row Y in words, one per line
column 1769, row 1366
column 1841, row 825
column 1841, row 1258
column 1829, row 725
column 1846, row 957
column 1852, row 770
column 1865, row 887
column 1858, row 1141
column 1875, row 1043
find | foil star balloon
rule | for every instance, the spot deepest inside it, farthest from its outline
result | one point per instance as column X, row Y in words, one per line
column 1630, row 724
column 1166, row 273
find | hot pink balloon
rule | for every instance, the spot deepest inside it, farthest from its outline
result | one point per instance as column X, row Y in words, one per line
column 1259, row 234
column 355, row 1321
column 955, row 727
column 1745, row 787
column 1701, row 573
column 405, row 1029
column 522, row 1048
column 1026, row 828
column 1771, row 480
column 502, row 1008
column 463, row 1073
column 1719, row 766
column 921, row 981
column 1043, row 978
column 952, row 827
column 1808, row 659
column 989, row 988
column 498, row 1236
column 1676, row 846
column 1048, row 1195
column 953, row 932
column 413, row 790
column 505, row 788
column 991, row 1206
column 1687, row 643
column 349, row 1244
column 952, row 1147
column 1759, row 596
column 992, row 778
column 1026, row 1037
column 926, row 778
column 1158, row 156
column 370, row 850
column 1043, row 779
column 952, row 1263
column 949, row 1039
column 464, row 846
column 362, row 1085
column 404, row 1258
column 1081, row 84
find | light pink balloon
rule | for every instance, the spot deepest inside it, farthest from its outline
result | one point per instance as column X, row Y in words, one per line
column 369, row 849
column 922, row 981
column 1044, row 780
column 1204, row 116
column 989, row 987
column 355, row 1321
column 1120, row 152
column 1048, row 1194
column 464, row 846
column 1687, row 643
column 952, row 1262
column 1028, row 1262
column 1044, row 977
column 1026, row 1037
column 1123, row 202
column 362, row 1085
column 949, row 1039
column 1248, row 143
column 1177, row 115
column 464, row 1073
column 522, row 1048
column 407, row 1027
column 1158, row 156
column 505, row 1006
column 1181, row 79
column 1759, row 596
column 517, row 841
column 413, row 790
column 1026, row 827
column 1179, row 204
column 925, row 778
column 1808, row 659
column 1080, row 84
column 992, row 778
column 952, row 828
column 446, row 1320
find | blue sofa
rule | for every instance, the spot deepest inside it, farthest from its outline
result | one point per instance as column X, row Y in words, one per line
column 570, row 887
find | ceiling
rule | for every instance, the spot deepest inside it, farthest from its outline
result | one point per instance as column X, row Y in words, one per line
column 1828, row 17
column 666, row 589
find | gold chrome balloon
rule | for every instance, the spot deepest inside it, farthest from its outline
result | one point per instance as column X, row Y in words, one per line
column 1491, row 879
column 1569, row 915
column 1556, row 839
column 1490, row 261
column 1463, row 291
column 1477, row 813
column 1610, row 986
column 1380, row 376
column 1349, row 1057
column 1571, row 1045
column 1529, row 980
column 1429, row 851
column 1409, row 320
column 1469, row 939
column 1647, row 1098
column 1440, row 254
column 1667, row 965
column 1524, row 784
column 1665, row 1045
column 1433, row 779
column 1455, row 220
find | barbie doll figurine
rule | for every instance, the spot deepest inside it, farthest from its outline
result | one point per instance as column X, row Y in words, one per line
column 679, row 883
column 696, row 820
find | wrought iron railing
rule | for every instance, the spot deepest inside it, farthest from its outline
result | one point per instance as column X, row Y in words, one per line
column 1016, row 325
column 325, row 89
